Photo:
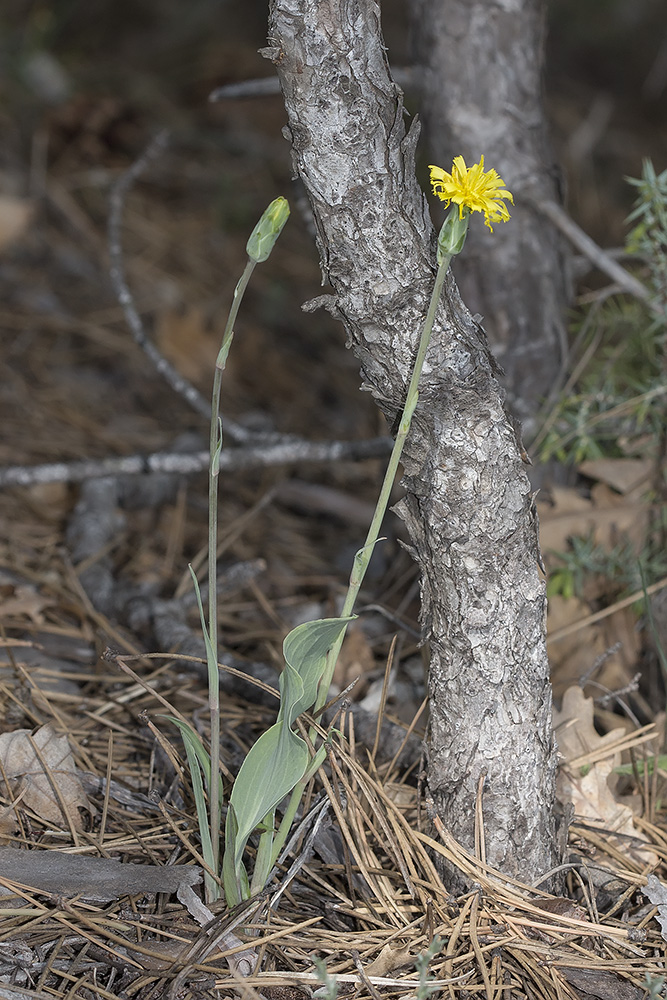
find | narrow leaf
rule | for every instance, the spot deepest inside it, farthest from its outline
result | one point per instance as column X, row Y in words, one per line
column 212, row 888
column 192, row 740
column 211, row 661
column 234, row 877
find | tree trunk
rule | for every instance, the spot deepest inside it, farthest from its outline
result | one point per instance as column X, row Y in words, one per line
column 481, row 93
column 467, row 506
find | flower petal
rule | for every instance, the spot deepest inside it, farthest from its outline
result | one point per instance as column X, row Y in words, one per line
column 472, row 188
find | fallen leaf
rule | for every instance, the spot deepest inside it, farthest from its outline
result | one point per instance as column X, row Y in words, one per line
column 574, row 655
column 605, row 515
column 561, row 906
column 622, row 474
column 15, row 216
column 575, row 729
column 656, row 892
column 18, row 601
column 389, row 959
column 355, row 660
column 36, row 783
column 599, row 984
column 185, row 339
column 402, row 795
column 587, row 777
column 51, row 501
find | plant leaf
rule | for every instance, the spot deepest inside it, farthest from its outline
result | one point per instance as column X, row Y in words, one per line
column 234, row 877
column 211, row 661
column 272, row 768
column 305, row 650
column 192, row 740
column 279, row 758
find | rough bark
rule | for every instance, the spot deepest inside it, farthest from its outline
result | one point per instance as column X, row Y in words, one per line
column 468, row 506
column 480, row 67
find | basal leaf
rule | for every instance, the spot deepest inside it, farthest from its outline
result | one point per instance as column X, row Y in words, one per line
column 274, row 765
column 193, row 742
column 234, row 877
column 279, row 758
column 213, row 676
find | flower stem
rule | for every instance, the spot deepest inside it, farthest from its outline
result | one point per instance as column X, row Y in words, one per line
column 213, row 485
column 363, row 556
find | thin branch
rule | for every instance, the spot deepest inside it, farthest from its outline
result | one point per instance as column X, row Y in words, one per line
column 266, row 86
column 595, row 254
column 626, row 602
column 188, row 464
column 181, row 385
column 119, row 281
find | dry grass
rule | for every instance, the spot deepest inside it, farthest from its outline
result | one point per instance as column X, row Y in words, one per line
column 369, row 912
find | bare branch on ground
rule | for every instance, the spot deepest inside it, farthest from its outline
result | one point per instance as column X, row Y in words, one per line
column 293, row 450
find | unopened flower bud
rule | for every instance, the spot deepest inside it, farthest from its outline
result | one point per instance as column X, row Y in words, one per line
column 267, row 230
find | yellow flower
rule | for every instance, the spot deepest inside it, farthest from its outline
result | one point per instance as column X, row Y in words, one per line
column 474, row 189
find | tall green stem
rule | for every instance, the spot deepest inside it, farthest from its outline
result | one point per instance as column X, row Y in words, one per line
column 363, row 556
column 215, row 446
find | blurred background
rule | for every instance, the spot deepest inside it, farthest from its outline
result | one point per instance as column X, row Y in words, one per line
column 83, row 87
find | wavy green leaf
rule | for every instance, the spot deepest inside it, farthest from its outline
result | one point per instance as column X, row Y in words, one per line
column 305, row 650
column 279, row 758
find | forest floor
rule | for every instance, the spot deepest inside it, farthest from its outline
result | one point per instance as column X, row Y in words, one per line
column 93, row 572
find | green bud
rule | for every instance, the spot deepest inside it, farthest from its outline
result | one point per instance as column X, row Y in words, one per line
column 453, row 233
column 267, row 230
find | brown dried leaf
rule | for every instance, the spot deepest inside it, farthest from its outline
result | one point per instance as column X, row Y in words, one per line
column 15, row 216
column 590, row 787
column 573, row 656
column 599, row 984
column 622, row 474
column 186, row 340
column 356, row 659
column 575, row 729
column 34, row 782
column 606, row 514
column 18, row 601
column 656, row 891
column 561, row 906
column 389, row 959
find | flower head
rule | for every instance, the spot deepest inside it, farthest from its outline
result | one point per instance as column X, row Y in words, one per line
column 474, row 189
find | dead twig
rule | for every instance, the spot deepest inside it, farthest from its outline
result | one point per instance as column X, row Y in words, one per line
column 292, row 450
column 118, row 195
column 163, row 367
column 626, row 602
column 267, row 86
column 595, row 254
